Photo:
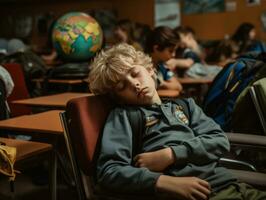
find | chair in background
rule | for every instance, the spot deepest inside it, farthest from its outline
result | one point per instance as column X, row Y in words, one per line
column 258, row 96
column 26, row 152
column 83, row 122
column 20, row 90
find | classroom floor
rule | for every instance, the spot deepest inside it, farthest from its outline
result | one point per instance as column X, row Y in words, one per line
column 30, row 187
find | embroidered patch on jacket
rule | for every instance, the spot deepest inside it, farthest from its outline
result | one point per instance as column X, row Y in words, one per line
column 151, row 120
column 179, row 113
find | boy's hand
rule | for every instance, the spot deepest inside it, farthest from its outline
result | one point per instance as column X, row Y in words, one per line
column 187, row 188
column 155, row 161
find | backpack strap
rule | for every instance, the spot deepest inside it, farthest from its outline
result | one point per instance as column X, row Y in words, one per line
column 136, row 120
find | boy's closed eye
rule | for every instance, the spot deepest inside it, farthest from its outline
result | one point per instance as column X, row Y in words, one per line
column 134, row 73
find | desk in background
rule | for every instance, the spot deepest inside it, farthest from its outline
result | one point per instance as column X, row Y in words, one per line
column 195, row 87
column 51, row 101
column 46, row 122
column 70, row 83
column 168, row 93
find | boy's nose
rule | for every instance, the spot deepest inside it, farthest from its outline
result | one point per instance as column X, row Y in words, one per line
column 135, row 84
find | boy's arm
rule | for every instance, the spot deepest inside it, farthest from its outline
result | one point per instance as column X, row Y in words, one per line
column 171, row 84
column 114, row 169
column 179, row 63
column 209, row 143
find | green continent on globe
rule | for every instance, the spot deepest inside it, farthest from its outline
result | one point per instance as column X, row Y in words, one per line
column 77, row 36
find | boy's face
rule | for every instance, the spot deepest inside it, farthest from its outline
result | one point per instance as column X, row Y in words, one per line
column 137, row 87
column 165, row 54
column 185, row 40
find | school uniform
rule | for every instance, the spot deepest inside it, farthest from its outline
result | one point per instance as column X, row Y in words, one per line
column 197, row 143
column 163, row 73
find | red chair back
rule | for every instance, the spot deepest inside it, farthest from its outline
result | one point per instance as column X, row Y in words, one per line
column 20, row 90
column 86, row 117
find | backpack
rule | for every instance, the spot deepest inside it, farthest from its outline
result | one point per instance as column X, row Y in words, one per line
column 137, row 121
column 7, row 160
column 228, row 85
column 33, row 66
column 4, row 112
column 257, row 46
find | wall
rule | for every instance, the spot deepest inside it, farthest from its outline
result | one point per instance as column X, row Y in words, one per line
column 217, row 25
column 136, row 10
column 207, row 26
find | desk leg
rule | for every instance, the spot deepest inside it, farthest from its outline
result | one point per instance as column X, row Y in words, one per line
column 53, row 175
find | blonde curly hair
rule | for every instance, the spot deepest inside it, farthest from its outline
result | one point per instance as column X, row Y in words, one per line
column 109, row 65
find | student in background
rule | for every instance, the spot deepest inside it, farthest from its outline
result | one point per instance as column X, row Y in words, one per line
column 6, row 88
column 191, row 48
column 245, row 38
column 141, row 33
column 161, row 45
column 124, row 32
column 225, row 52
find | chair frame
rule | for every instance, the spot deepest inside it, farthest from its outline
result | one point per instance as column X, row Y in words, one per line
column 74, row 164
column 252, row 92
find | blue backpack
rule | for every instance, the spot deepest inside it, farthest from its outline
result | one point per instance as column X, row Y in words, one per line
column 228, row 84
column 257, row 46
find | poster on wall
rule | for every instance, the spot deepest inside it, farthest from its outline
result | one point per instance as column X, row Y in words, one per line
column 253, row 2
column 263, row 20
column 230, row 6
column 203, row 6
column 167, row 13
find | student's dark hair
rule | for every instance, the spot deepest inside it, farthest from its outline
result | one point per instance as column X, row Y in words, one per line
column 162, row 36
column 242, row 32
column 225, row 49
column 241, row 35
column 127, row 26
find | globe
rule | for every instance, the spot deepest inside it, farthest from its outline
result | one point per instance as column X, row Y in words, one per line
column 77, row 36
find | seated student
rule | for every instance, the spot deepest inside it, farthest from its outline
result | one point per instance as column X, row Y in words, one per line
column 191, row 47
column 190, row 51
column 179, row 154
column 192, row 62
column 161, row 45
column 6, row 88
column 124, row 32
column 245, row 38
column 225, row 52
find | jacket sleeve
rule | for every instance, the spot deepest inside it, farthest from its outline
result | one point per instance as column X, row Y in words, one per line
column 114, row 169
column 209, row 143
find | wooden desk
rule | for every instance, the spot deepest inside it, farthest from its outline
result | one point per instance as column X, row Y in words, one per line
column 45, row 122
column 195, row 80
column 195, row 87
column 51, row 101
column 62, row 81
column 168, row 93
column 70, row 83
column 26, row 149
